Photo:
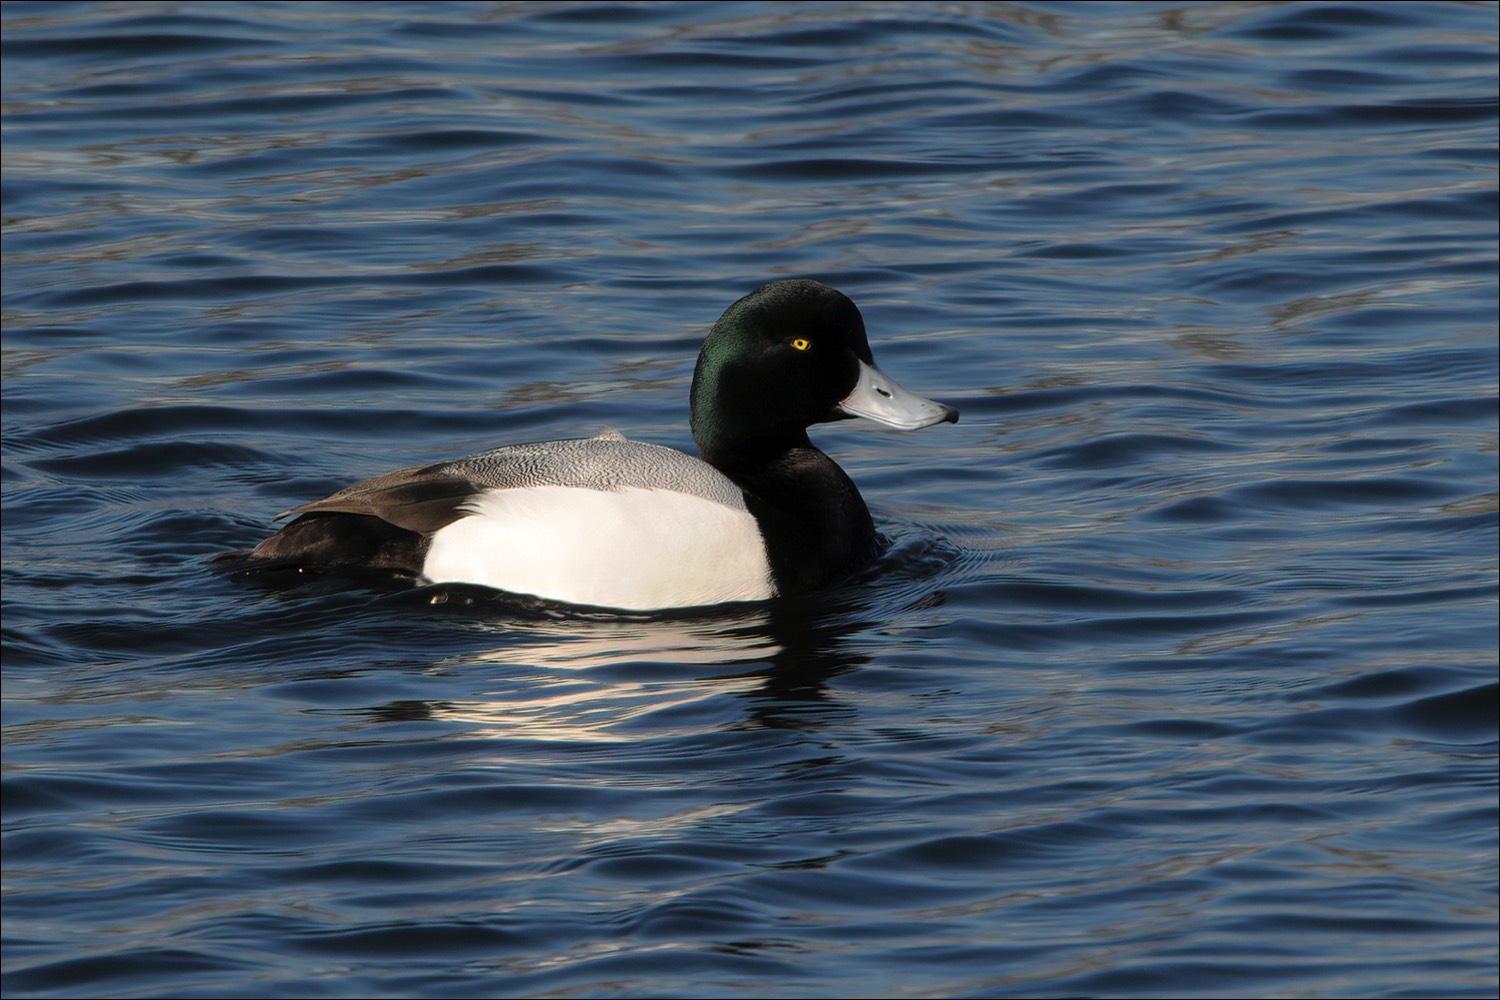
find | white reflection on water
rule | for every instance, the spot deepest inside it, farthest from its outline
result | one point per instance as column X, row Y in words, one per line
column 591, row 681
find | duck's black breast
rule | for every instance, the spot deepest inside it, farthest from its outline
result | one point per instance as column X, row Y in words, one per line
column 816, row 526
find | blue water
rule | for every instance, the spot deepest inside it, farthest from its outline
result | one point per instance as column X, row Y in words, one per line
column 1178, row 679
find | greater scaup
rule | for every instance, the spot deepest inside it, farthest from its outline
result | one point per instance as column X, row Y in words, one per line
column 613, row 523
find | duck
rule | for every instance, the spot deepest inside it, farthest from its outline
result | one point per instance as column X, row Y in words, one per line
column 607, row 522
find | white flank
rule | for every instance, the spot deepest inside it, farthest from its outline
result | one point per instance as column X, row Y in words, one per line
column 633, row 548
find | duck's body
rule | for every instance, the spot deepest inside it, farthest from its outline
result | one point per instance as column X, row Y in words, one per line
column 598, row 521
column 615, row 523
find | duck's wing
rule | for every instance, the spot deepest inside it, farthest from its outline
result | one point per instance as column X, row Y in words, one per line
column 425, row 498
column 420, row 499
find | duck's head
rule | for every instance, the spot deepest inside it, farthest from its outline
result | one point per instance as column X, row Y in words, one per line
column 788, row 355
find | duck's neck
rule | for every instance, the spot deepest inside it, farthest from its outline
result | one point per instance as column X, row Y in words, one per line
column 815, row 523
column 816, row 526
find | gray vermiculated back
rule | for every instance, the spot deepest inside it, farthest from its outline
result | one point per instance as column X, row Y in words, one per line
column 600, row 463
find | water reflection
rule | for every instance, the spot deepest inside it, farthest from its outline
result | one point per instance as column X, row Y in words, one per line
column 547, row 672
column 572, row 675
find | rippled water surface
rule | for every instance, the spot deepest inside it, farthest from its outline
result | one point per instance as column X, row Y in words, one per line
column 1178, row 678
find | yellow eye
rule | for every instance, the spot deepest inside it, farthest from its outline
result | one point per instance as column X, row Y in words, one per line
column 800, row 343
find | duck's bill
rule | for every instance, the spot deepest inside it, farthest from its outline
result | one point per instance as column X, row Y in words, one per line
column 877, row 397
